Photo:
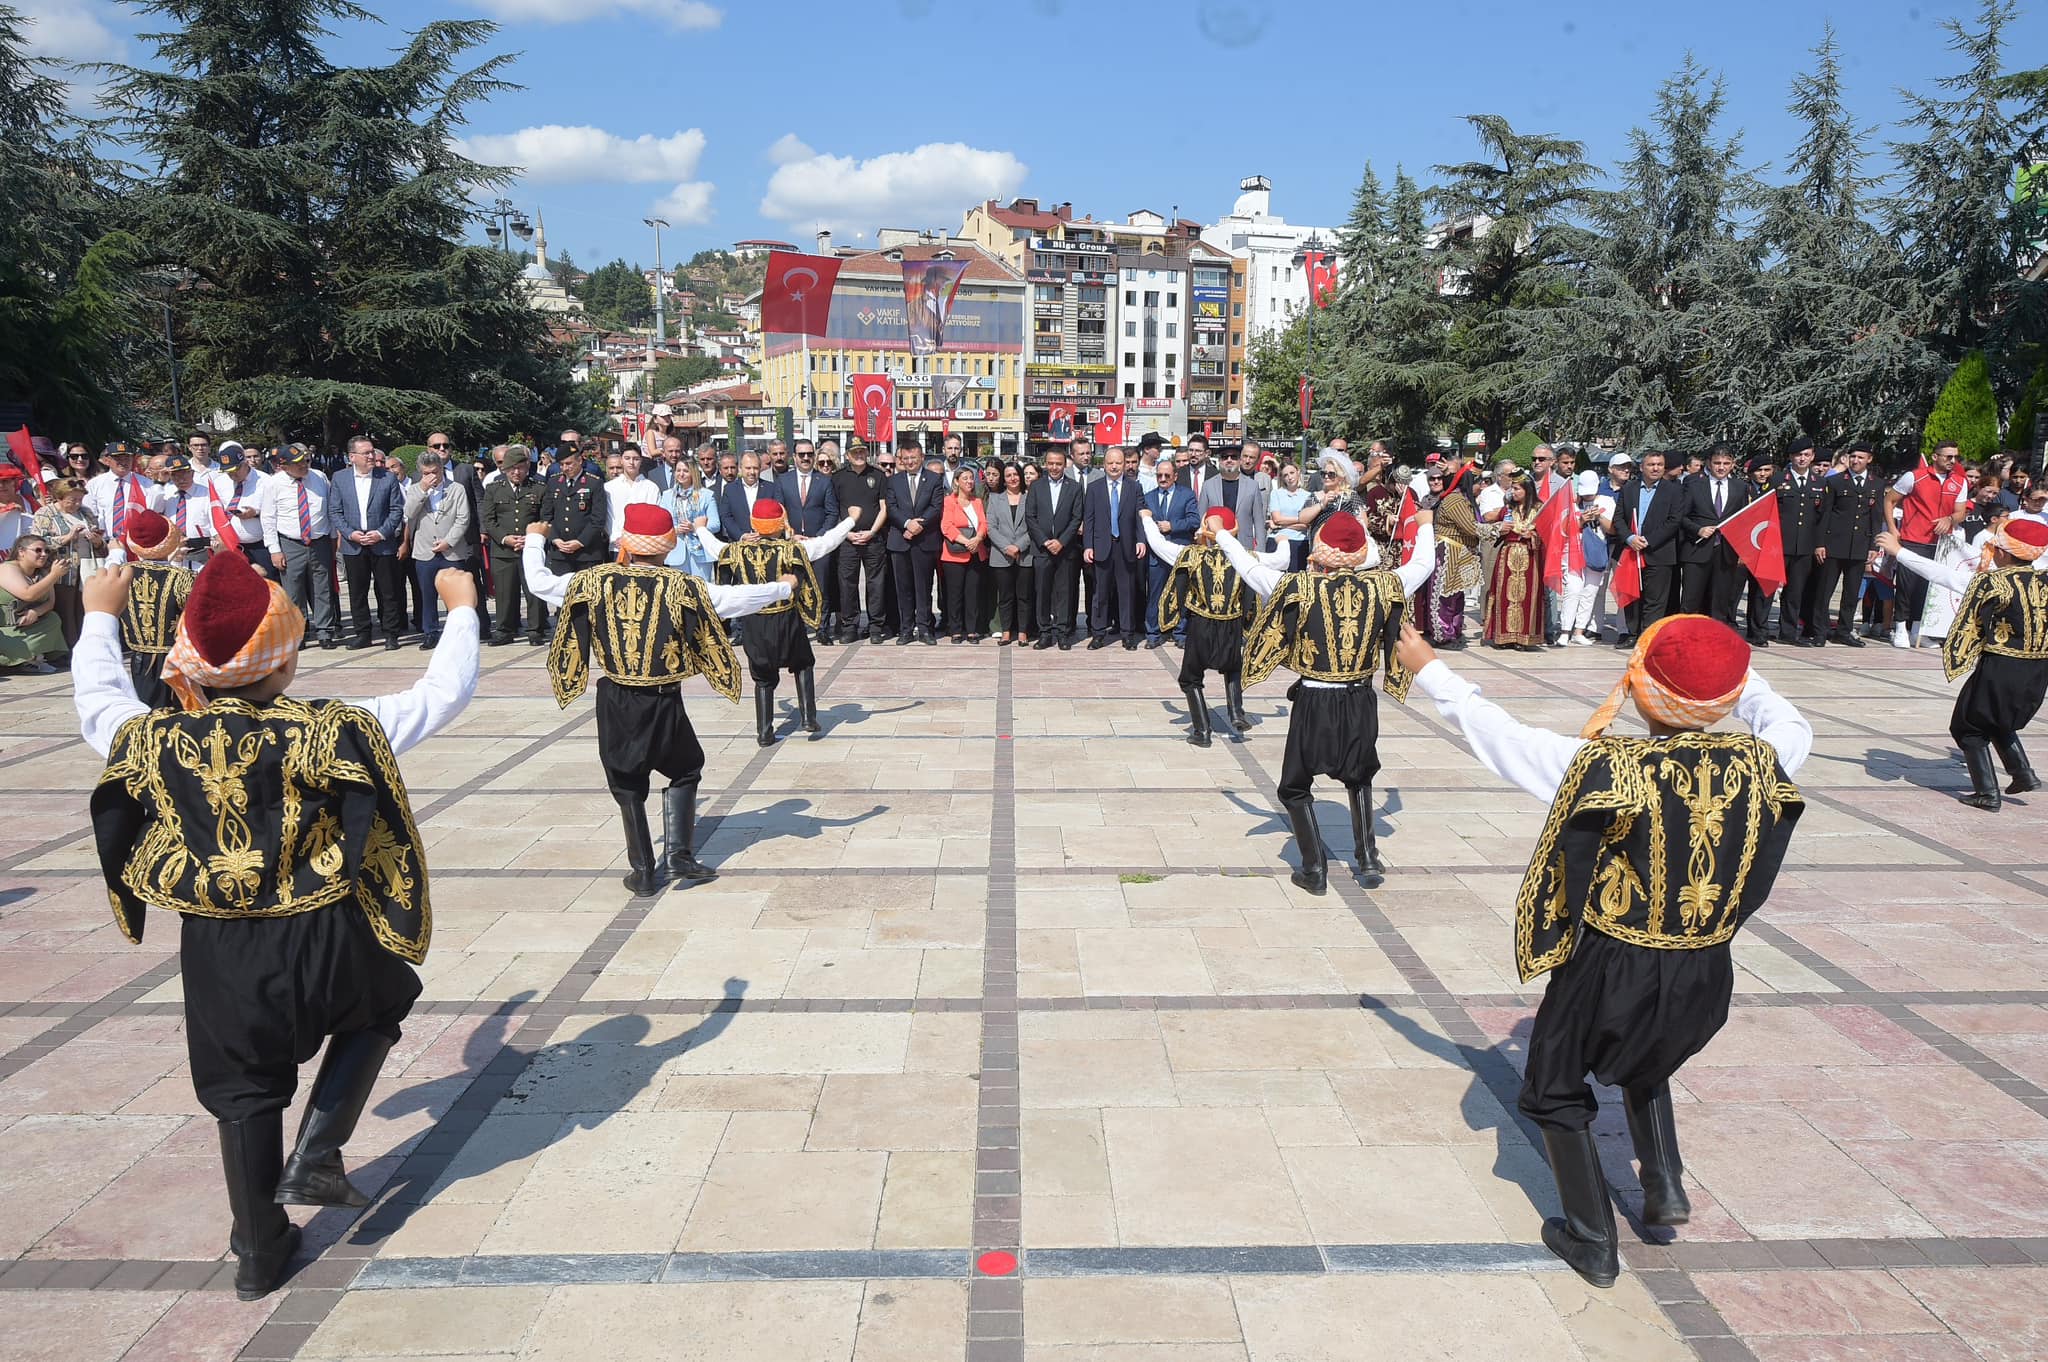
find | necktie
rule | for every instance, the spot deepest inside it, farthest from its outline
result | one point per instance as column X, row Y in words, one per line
column 235, row 501
column 1112, row 511
column 803, row 489
column 913, row 491
column 1718, row 495
column 305, row 515
column 121, row 508
column 178, row 516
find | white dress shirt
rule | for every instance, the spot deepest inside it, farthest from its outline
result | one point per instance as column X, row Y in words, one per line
column 362, row 483
column 622, row 492
column 106, row 488
column 281, row 507
column 729, row 601
column 105, row 694
column 244, row 496
column 1535, row 759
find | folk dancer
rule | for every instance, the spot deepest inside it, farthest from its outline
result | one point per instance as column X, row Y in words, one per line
column 155, row 600
column 279, row 830
column 1332, row 624
column 779, row 639
column 1656, row 850
column 2000, row 637
column 1202, row 584
column 652, row 628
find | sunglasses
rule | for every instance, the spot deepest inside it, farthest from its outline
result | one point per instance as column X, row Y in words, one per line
column 442, row 445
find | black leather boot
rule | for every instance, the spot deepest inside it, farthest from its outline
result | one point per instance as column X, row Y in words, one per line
column 314, row 1175
column 679, row 834
column 1198, row 715
column 1983, row 775
column 1363, row 842
column 764, row 715
column 643, row 879
column 1654, row 1129
column 1233, row 704
column 2017, row 766
column 807, row 700
column 1308, row 843
column 263, row 1239
column 1584, row 1238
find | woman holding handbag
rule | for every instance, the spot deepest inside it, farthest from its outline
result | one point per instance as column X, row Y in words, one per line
column 963, row 525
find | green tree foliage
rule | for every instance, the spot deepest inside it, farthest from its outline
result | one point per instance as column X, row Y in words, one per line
column 67, row 274
column 1275, row 362
column 682, row 371
column 1966, row 413
column 320, row 212
column 1521, row 449
column 617, row 295
column 2019, row 432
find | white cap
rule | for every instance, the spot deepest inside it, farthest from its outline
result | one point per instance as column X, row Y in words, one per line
column 1621, row 458
column 1586, row 484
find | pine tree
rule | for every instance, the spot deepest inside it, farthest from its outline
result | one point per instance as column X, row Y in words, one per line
column 1966, row 413
column 617, row 294
column 320, row 211
column 1384, row 376
column 2019, row 431
column 1363, row 239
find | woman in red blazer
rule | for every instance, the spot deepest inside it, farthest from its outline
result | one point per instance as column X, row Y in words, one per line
column 963, row 553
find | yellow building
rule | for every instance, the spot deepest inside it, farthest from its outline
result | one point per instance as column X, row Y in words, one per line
column 982, row 352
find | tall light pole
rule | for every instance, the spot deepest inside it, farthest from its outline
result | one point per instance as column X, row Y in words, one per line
column 503, row 221
column 660, row 284
column 1307, row 258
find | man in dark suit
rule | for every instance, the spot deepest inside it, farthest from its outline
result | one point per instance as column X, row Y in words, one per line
column 1801, row 496
column 464, row 473
column 1710, row 576
column 736, row 500
column 1646, row 519
column 813, row 508
column 1113, row 546
column 917, row 497
column 1194, row 464
column 1852, row 514
column 1052, row 516
column 366, row 515
column 1173, row 514
column 579, row 520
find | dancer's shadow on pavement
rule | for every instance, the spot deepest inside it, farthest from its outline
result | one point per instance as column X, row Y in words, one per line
column 1929, row 773
column 566, row 1086
column 787, row 818
column 1385, row 804
column 852, row 714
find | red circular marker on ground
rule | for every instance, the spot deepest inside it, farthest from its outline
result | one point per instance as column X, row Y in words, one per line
column 996, row 1263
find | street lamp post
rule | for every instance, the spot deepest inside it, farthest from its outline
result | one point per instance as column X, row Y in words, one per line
column 1307, row 257
column 660, row 284
column 502, row 221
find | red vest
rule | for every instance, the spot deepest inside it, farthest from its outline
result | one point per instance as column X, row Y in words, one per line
column 1930, row 500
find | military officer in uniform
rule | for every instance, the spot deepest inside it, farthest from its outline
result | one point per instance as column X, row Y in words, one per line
column 1801, row 495
column 578, row 517
column 1851, row 516
column 510, row 504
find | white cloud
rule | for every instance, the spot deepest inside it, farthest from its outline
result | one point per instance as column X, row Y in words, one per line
column 69, row 30
column 931, row 185
column 687, row 205
column 554, row 154
column 677, row 14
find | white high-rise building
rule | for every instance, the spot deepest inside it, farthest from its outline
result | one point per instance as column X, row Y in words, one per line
column 1275, row 285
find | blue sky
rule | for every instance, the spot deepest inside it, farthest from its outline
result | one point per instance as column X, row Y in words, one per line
column 743, row 118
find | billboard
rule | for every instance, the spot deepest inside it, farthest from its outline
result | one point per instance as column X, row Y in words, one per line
column 1059, row 423
column 980, row 320
column 1211, row 305
column 929, row 287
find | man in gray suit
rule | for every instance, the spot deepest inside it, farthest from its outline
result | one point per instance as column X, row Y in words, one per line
column 1243, row 497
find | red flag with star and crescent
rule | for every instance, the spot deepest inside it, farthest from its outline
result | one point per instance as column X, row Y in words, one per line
column 796, row 299
column 1754, row 534
column 22, row 446
column 874, row 407
column 1405, row 528
column 1109, row 425
column 1322, row 277
column 1627, row 583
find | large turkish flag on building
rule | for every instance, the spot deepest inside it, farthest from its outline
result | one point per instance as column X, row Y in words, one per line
column 1109, row 426
column 1754, row 535
column 874, row 407
column 796, row 300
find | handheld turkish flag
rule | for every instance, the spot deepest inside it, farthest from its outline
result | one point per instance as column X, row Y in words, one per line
column 1322, row 277
column 1405, row 528
column 23, row 447
column 1627, row 583
column 1557, row 528
column 223, row 526
column 796, row 300
column 1109, row 425
column 1307, row 394
column 874, row 407
column 1754, row 534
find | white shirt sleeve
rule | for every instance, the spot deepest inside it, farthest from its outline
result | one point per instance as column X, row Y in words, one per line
column 1167, row 551
column 829, row 540
column 542, row 582
column 712, row 545
column 1421, row 563
column 268, row 494
column 1772, row 717
column 1904, row 486
column 1535, row 759
column 733, row 601
column 1954, row 576
column 1257, row 575
column 100, row 684
column 412, row 716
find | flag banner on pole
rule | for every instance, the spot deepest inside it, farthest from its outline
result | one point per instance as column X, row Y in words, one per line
column 1307, row 394
column 1109, row 426
column 1059, row 423
column 796, row 299
column 1558, row 530
column 1322, row 277
column 1406, row 526
column 929, row 287
column 22, row 445
column 1754, row 534
column 1627, row 582
column 874, row 407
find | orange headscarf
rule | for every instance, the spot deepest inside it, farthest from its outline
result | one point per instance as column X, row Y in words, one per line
column 276, row 639
column 1687, row 671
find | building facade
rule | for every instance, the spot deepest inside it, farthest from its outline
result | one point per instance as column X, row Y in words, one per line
column 1268, row 249
column 1208, row 362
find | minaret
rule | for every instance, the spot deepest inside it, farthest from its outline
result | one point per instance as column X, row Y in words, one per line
column 540, row 240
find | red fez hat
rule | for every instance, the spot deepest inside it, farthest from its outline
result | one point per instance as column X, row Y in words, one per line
column 1698, row 658
column 146, row 529
column 644, row 517
column 767, row 517
column 1343, row 532
column 1224, row 514
column 228, row 602
column 2030, row 532
column 9, row 473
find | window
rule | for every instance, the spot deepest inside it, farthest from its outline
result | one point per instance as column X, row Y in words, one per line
column 1151, row 388
column 1130, row 390
column 1233, row 397
column 1046, row 293
column 1235, row 370
column 1130, row 276
column 1088, row 328
column 1237, row 338
column 1094, row 295
column 1151, row 359
column 1151, row 274
column 1173, row 300
column 1172, row 359
column 1237, row 278
column 1130, row 359
column 1169, row 390
column 1210, row 279
column 1272, row 304
column 1151, row 297
column 1130, row 297
column 1172, row 330
column 1173, row 276
column 1130, row 328
column 1237, row 310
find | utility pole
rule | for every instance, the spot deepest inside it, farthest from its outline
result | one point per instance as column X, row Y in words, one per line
column 660, row 284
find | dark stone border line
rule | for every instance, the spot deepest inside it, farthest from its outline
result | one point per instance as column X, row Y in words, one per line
column 316, row 1287
column 1698, row 1324
column 995, row 1302
column 121, row 1002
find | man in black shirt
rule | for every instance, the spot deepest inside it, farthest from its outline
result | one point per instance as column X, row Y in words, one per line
column 861, row 487
column 579, row 521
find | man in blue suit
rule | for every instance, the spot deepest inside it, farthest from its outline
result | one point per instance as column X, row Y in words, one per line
column 1173, row 513
column 813, row 508
column 366, row 514
column 1114, row 548
column 916, row 500
column 736, row 500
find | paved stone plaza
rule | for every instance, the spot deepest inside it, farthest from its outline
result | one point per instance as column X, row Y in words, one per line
column 1000, row 964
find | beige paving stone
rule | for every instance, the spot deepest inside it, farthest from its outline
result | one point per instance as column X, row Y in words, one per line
column 895, row 1111
column 1136, row 1352
column 699, row 1322
column 1120, row 1310
column 712, row 955
column 950, row 974
column 824, row 1043
column 443, row 1229
column 761, row 1132
column 487, row 1319
column 1399, row 1317
column 1258, row 1088
column 927, row 1201
column 1272, row 1040
column 1094, row 1073
column 1388, row 1194
column 852, row 972
column 1199, row 1176
column 912, row 1321
column 1141, row 961
column 98, row 1326
column 1619, row 1324
column 1295, row 1127
column 1271, row 971
column 944, row 1042
column 798, row 1200
column 579, row 1211
column 1069, row 1221
column 767, row 1092
column 1064, row 1151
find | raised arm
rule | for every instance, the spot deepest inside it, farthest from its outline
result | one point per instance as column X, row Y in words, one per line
column 1168, row 551
column 831, row 539
column 1534, row 759
column 542, row 582
column 1954, row 576
column 1258, row 575
column 100, row 685
column 1772, row 717
column 411, row 716
column 733, row 601
column 712, row 545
